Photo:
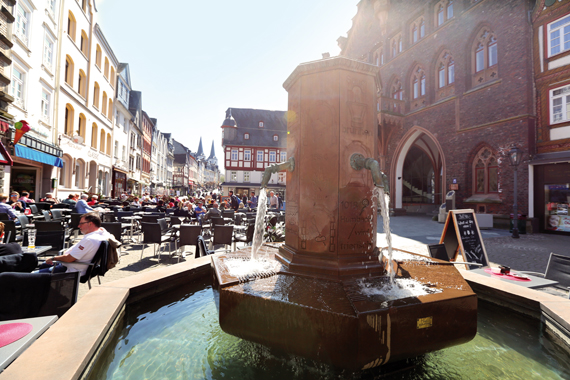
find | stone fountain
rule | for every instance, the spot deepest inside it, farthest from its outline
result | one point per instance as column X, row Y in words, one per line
column 313, row 302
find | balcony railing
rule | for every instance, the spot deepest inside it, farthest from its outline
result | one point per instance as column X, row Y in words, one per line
column 391, row 105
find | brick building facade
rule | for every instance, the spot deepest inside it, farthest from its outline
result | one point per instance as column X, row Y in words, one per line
column 455, row 94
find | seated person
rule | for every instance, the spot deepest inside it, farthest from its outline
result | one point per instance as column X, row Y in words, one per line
column 136, row 202
column 82, row 252
column 70, row 200
column 94, row 200
column 213, row 212
column 25, row 198
column 252, row 201
column 82, row 206
column 15, row 203
column 199, row 211
column 6, row 209
column 49, row 198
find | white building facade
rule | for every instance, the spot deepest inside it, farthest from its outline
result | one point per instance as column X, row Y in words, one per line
column 86, row 107
column 33, row 85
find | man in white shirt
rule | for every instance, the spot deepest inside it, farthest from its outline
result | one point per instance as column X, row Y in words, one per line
column 273, row 201
column 82, row 252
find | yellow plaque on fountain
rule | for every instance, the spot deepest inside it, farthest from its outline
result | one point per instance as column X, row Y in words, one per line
column 424, row 323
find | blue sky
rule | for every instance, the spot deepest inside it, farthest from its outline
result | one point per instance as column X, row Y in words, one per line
column 192, row 59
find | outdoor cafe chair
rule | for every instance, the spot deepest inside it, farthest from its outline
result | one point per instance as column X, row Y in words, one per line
column 246, row 237
column 189, row 236
column 35, row 212
column 57, row 215
column 4, row 216
column 55, row 239
column 48, row 226
column 47, row 215
column 174, row 220
column 223, row 235
column 228, row 213
column 152, row 235
column 10, row 232
column 58, row 292
column 151, row 218
column 43, row 206
column 24, row 221
column 108, row 217
column 97, row 266
column 557, row 269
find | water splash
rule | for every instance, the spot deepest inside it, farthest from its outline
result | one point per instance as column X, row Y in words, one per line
column 259, row 224
column 384, row 200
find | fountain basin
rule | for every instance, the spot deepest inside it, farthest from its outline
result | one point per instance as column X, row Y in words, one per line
column 74, row 343
column 335, row 323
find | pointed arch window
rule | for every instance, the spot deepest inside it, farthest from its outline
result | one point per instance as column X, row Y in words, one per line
column 486, row 172
column 397, row 91
column 445, row 75
column 443, row 11
column 396, row 45
column 417, row 30
column 485, row 57
column 418, row 83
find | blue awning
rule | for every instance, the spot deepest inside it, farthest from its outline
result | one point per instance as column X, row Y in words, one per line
column 36, row 155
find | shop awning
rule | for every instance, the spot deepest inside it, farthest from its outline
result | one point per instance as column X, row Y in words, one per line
column 35, row 155
column 5, row 158
column 120, row 170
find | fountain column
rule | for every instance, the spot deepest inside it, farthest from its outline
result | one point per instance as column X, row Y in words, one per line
column 331, row 215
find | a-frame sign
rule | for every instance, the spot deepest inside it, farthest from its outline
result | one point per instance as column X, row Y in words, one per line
column 461, row 236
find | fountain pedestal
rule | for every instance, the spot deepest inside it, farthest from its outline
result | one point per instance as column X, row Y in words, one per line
column 330, row 216
column 313, row 305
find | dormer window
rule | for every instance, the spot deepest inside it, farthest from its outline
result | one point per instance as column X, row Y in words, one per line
column 246, row 136
column 261, row 124
column 275, row 138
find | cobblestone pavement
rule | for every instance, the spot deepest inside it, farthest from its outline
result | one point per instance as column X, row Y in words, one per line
column 529, row 253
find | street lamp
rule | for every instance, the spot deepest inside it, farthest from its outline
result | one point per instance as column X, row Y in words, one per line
column 515, row 155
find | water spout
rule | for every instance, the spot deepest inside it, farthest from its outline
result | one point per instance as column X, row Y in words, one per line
column 287, row 165
column 358, row 162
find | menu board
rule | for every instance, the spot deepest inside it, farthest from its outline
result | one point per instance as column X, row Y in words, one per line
column 461, row 235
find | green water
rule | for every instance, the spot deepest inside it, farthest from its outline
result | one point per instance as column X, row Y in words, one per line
column 178, row 337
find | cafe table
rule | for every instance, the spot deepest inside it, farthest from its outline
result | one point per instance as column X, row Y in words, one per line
column 38, row 250
column 10, row 330
column 532, row 282
column 132, row 219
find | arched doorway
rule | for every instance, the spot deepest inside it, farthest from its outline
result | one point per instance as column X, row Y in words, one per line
column 419, row 171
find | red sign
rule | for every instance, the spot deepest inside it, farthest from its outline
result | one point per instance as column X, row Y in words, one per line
column 453, row 186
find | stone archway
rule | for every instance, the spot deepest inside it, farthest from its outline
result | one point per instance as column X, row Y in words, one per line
column 418, row 147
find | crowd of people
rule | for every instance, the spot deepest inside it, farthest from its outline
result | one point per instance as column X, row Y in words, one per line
column 200, row 204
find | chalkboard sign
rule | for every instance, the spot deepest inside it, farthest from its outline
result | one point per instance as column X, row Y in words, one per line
column 466, row 240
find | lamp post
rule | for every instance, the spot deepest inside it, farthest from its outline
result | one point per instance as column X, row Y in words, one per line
column 515, row 155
